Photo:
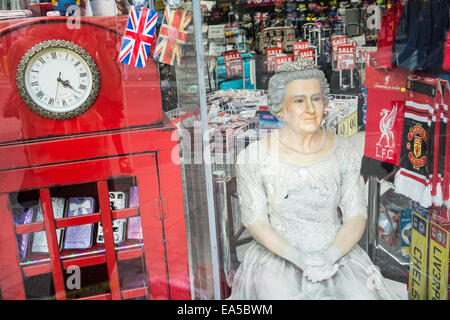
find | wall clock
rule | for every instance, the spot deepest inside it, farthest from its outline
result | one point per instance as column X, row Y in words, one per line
column 58, row 79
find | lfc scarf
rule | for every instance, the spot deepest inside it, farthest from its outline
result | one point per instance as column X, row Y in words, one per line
column 384, row 120
column 418, row 175
column 172, row 36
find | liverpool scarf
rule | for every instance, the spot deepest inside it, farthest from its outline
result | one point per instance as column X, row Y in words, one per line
column 418, row 175
column 384, row 120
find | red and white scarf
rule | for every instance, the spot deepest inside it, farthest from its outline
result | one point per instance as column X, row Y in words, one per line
column 418, row 177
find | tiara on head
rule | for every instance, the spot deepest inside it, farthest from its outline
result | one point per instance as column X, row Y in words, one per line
column 299, row 65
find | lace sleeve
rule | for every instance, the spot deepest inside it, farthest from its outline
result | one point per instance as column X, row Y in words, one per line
column 252, row 195
column 353, row 200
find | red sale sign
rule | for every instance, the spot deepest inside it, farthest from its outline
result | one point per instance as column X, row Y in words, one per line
column 345, row 57
column 337, row 41
column 233, row 63
column 299, row 46
column 271, row 54
column 307, row 54
column 282, row 59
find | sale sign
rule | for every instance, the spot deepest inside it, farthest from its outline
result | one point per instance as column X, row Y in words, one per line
column 337, row 41
column 307, row 54
column 298, row 46
column 345, row 57
column 282, row 59
column 233, row 63
column 271, row 55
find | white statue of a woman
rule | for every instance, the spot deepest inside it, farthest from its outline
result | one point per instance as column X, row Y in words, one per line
column 291, row 184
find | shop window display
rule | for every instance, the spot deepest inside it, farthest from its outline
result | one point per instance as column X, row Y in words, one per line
column 138, row 151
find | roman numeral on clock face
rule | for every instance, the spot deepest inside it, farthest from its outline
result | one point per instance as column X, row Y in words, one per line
column 83, row 74
column 64, row 103
column 53, row 55
column 41, row 60
column 34, row 83
column 39, row 94
column 51, row 101
column 82, row 87
column 76, row 64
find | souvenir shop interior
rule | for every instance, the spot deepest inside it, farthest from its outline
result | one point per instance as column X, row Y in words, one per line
column 121, row 122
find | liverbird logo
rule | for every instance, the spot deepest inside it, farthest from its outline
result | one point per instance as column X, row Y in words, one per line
column 386, row 124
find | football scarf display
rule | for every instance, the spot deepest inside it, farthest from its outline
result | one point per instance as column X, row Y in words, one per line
column 172, row 36
column 418, row 175
column 384, row 120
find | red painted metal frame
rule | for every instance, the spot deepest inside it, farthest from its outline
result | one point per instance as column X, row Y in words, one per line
column 124, row 133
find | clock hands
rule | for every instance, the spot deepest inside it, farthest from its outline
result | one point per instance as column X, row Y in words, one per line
column 65, row 83
column 57, row 86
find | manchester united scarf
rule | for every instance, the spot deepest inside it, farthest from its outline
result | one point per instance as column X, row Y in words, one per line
column 172, row 36
column 419, row 161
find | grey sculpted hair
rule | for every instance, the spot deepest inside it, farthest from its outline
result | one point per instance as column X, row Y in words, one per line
column 290, row 71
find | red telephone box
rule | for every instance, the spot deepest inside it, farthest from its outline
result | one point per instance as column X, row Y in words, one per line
column 124, row 134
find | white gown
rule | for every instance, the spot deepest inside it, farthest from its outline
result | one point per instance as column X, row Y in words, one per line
column 301, row 204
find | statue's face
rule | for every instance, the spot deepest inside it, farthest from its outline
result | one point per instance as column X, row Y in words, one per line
column 303, row 106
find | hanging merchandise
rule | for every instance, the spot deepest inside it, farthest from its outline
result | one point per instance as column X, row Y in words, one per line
column 446, row 59
column 385, row 90
column 138, row 37
column 421, row 35
column 267, row 38
column 418, row 174
column 217, row 15
column 387, row 33
column 172, row 36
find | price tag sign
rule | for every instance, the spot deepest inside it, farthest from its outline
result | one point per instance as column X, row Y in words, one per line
column 348, row 127
column 271, row 55
column 233, row 63
column 282, row 59
column 296, row 46
column 361, row 53
column 345, row 57
column 337, row 41
column 307, row 54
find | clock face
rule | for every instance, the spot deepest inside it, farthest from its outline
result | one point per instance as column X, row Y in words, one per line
column 58, row 79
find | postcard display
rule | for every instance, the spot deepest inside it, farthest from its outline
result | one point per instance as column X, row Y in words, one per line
column 92, row 190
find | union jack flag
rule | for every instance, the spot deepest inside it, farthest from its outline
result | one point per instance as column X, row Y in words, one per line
column 138, row 37
column 172, row 36
column 260, row 17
